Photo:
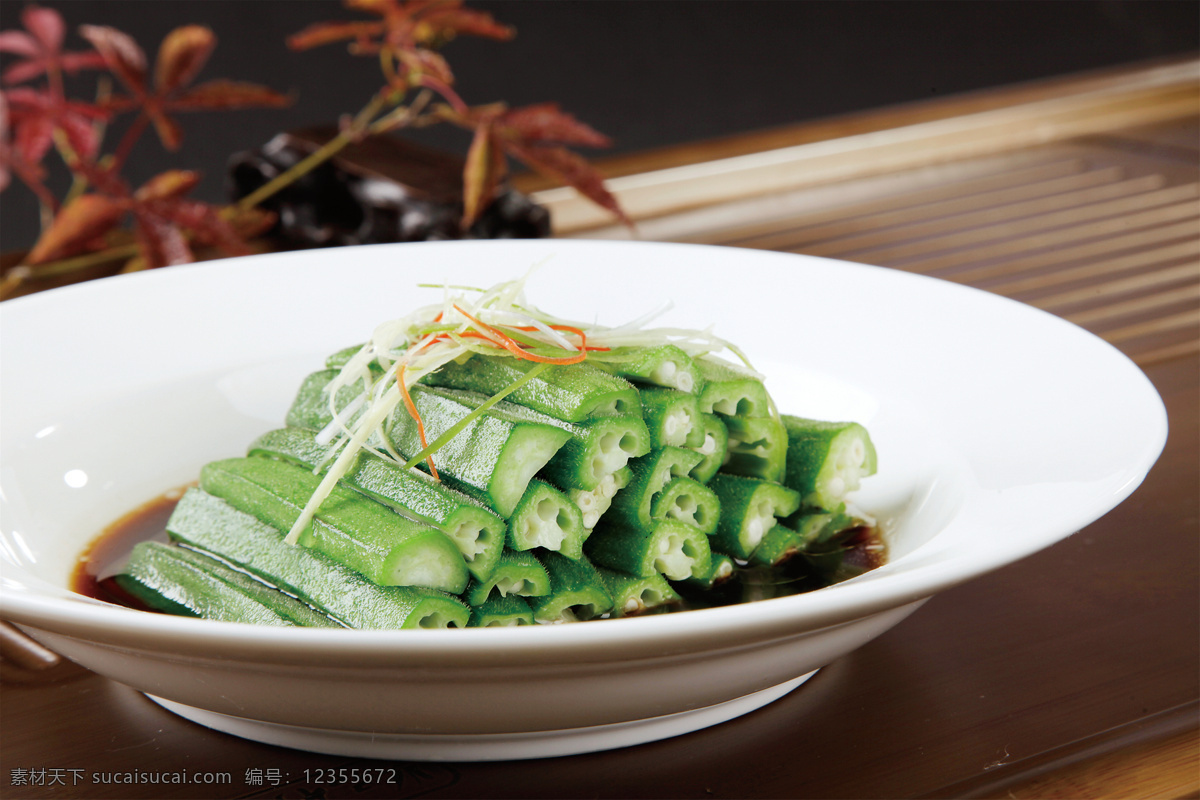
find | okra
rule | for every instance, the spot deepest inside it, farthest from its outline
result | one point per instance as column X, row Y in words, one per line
column 181, row 581
column 491, row 458
column 310, row 408
column 687, row 501
column 749, row 509
column 545, row 517
column 595, row 504
column 720, row 570
column 632, row 506
column 501, row 611
column 671, row 548
column 731, row 391
column 577, row 591
column 212, row 525
column 516, row 573
column 757, row 447
column 712, row 449
column 477, row 531
column 632, row 594
column 826, row 460
column 387, row 548
column 572, row 393
column 596, row 448
column 665, row 365
column 672, row 418
column 783, row 542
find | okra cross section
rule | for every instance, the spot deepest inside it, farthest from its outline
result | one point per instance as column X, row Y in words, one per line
column 212, row 525
column 757, row 447
column 663, row 365
column 712, row 448
column 181, row 581
column 545, row 517
column 492, row 458
column 826, row 460
column 572, row 393
column 502, row 611
column 671, row 548
column 749, row 509
column 732, row 391
column 517, row 573
column 632, row 506
column 387, row 548
column 477, row 531
column 672, row 417
column 577, row 591
column 687, row 501
column 634, row 594
column 595, row 504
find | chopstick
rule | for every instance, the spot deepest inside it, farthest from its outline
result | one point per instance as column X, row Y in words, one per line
column 23, row 651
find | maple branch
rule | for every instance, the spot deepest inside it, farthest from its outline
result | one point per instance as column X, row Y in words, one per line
column 128, row 140
column 17, row 276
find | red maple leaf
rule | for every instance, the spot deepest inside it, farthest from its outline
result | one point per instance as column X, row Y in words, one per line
column 34, row 115
column 405, row 25
column 182, row 55
column 41, row 48
column 537, row 136
column 165, row 221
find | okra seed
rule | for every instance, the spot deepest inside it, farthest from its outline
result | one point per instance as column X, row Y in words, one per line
column 632, row 605
column 684, row 382
column 837, row 486
column 710, row 445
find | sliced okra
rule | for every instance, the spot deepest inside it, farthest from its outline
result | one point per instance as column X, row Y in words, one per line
column 631, row 506
column 749, row 509
column 310, row 408
column 720, row 570
column 596, row 448
column 826, row 460
column 181, row 581
column 491, row 458
column 572, row 393
column 387, row 548
column 477, row 531
column 595, row 504
column 633, row 594
column 712, row 449
column 732, row 391
column 210, row 524
column 517, row 573
column 687, row 501
column 672, row 417
column 577, row 591
column 501, row 611
column 663, row 365
column 671, row 548
column 757, row 447
column 545, row 517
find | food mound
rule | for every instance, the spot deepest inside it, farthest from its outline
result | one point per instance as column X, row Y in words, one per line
column 480, row 462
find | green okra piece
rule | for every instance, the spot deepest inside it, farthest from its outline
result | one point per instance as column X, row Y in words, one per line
column 672, row 417
column 181, row 581
column 749, row 509
column 492, row 458
column 387, row 548
column 720, row 570
column 826, row 460
column 663, row 365
column 210, row 524
column 712, row 448
column 671, row 548
column 596, row 448
column 577, row 591
column 595, row 504
column 632, row 506
column 732, row 391
column 687, row 501
column 517, row 573
column 573, row 393
column 757, row 447
column 799, row 533
column 477, row 531
column 634, row 594
column 310, row 408
column 502, row 611
column 546, row 518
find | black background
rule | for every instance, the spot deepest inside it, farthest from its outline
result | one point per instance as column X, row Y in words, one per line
column 649, row 73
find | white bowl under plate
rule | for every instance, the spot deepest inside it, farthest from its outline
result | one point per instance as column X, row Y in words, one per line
column 1000, row 430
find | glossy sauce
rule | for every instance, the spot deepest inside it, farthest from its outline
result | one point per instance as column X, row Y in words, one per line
column 864, row 550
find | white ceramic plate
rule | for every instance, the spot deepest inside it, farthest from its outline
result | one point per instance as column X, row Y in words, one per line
column 1000, row 430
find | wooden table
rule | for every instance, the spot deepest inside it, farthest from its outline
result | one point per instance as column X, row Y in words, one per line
column 1073, row 673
